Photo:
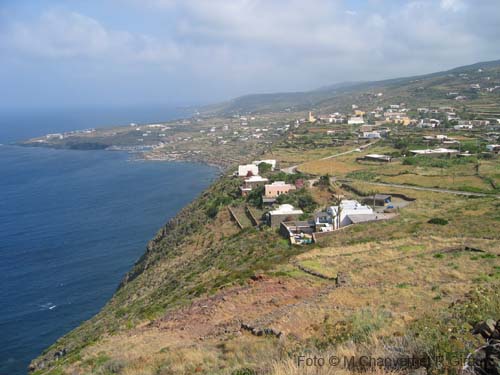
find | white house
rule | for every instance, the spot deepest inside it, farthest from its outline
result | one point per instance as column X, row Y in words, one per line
column 350, row 212
column 435, row 152
column 285, row 212
column 245, row 170
column 463, row 127
column 372, row 135
column 356, row 120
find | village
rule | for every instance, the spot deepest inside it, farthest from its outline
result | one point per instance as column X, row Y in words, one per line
column 436, row 134
column 302, row 225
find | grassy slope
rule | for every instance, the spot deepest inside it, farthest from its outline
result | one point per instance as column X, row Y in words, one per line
column 418, row 90
column 201, row 253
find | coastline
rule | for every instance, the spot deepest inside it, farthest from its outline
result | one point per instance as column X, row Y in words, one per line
column 135, row 244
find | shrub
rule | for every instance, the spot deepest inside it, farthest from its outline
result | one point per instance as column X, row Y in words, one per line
column 438, row 221
column 255, row 196
column 264, row 168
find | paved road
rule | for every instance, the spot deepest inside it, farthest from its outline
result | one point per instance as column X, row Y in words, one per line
column 437, row 190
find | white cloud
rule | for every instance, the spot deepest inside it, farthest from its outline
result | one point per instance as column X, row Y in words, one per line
column 64, row 35
column 453, row 5
column 231, row 47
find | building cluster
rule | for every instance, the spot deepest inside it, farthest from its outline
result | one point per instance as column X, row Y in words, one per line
column 346, row 213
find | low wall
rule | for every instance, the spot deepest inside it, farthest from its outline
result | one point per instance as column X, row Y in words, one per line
column 363, row 194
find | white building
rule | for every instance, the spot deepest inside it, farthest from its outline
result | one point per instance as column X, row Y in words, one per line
column 355, row 120
column 245, row 170
column 437, row 151
column 350, row 212
column 463, row 127
column 372, row 135
column 285, row 212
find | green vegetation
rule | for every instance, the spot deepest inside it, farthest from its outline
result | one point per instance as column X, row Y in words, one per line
column 438, row 221
column 401, row 276
column 437, row 162
column 300, row 198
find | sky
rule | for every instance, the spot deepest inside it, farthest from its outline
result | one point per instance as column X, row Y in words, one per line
column 69, row 53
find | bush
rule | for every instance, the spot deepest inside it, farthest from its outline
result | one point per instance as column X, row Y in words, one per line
column 264, row 168
column 438, row 221
column 300, row 198
column 255, row 196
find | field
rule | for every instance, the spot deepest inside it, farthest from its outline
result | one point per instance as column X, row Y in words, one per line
column 211, row 297
column 455, row 174
column 398, row 273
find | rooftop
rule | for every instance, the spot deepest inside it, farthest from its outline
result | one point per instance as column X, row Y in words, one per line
column 286, row 209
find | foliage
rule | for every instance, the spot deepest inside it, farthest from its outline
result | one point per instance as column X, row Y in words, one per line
column 438, row 221
column 255, row 196
column 301, row 198
column 357, row 327
column 264, row 168
column 449, row 334
column 437, row 162
column 362, row 175
column 288, row 178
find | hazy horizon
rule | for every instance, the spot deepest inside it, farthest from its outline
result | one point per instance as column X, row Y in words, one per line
column 116, row 53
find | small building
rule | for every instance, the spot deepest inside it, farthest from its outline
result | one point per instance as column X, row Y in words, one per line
column 376, row 157
column 248, row 170
column 285, row 212
column 341, row 214
column 277, row 188
column 354, row 120
column 435, row 152
column 371, row 135
column 378, row 200
column 323, row 222
column 255, row 181
column 251, row 183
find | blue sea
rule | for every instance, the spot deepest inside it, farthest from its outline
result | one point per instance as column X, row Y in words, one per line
column 72, row 223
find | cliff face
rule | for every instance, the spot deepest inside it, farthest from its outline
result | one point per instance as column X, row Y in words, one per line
column 197, row 252
column 209, row 297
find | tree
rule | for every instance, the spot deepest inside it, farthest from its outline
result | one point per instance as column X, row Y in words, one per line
column 264, row 168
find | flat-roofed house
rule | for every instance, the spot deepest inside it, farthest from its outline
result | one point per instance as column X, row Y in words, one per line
column 277, row 188
column 248, row 170
column 435, row 152
column 285, row 212
column 251, row 183
column 341, row 214
column 377, row 157
column 355, row 120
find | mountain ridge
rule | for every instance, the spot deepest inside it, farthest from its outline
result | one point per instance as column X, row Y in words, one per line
column 302, row 100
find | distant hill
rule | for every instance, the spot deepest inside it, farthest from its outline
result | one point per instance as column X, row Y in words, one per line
column 417, row 89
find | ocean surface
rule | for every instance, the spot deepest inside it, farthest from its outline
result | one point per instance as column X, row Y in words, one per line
column 72, row 223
